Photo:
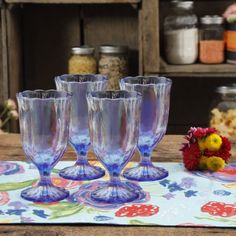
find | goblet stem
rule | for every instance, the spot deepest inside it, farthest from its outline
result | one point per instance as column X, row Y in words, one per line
column 145, row 170
column 45, row 178
column 82, row 160
column 114, row 191
column 114, row 180
column 82, row 170
column 145, row 160
column 45, row 191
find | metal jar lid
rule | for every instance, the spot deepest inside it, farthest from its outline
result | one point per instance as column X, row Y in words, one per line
column 229, row 89
column 113, row 49
column 82, row 50
column 208, row 20
column 183, row 4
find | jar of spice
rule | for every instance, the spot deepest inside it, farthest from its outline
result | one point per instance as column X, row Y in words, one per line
column 82, row 61
column 223, row 111
column 230, row 36
column 181, row 33
column 113, row 62
column 212, row 43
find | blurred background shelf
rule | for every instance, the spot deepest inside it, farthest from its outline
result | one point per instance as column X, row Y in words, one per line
column 198, row 69
column 72, row 1
column 36, row 40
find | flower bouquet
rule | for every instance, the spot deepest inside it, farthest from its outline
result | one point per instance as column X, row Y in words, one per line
column 205, row 150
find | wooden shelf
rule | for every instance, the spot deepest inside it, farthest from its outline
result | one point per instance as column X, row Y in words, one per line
column 198, row 70
column 73, row 1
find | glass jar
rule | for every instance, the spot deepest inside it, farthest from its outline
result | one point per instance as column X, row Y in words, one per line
column 230, row 36
column 223, row 111
column 181, row 34
column 113, row 62
column 212, row 45
column 82, row 61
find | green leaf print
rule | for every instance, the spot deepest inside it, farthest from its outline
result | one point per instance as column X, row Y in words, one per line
column 16, row 185
column 56, row 171
column 139, row 222
column 61, row 209
column 231, row 221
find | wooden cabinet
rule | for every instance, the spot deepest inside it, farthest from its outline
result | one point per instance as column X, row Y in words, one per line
column 36, row 37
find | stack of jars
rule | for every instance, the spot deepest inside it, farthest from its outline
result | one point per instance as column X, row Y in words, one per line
column 112, row 62
column 186, row 42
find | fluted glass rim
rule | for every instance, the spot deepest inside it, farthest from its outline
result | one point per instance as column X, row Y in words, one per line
column 132, row 95
column 62, row 95
column 98, row 78
column 166, row 81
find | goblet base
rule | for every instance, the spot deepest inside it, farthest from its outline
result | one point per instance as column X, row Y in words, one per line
column 145, row 173
column 83, row 171
column 44, row 193
column 114, row 193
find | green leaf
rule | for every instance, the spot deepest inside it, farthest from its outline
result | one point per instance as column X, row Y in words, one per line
column 94, row 210
column 218, row 219
column 16, row 185
column 139, row 222
column 61, row 209
column 56, row 171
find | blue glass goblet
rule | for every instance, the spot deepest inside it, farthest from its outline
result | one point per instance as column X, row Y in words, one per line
column 44, row 126
column 154, row 118
column 79, row 138
column 114, row 125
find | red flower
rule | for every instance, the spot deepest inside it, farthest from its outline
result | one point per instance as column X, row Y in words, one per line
column 202, row 132
column 224, row 151
column 219, row 209
column 191, row 156
column 137, row 210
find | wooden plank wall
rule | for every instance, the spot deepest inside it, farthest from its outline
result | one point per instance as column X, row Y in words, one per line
column 3, row 58
column 113, row 24
column 49, row 33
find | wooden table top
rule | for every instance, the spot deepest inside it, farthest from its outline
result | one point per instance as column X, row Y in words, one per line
column 167, row 151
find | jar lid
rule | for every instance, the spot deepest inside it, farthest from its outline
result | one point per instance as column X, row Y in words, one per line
column 226, row 89
column 208, row 20
column 113, row 49
column 183, row 4
column 82, row 50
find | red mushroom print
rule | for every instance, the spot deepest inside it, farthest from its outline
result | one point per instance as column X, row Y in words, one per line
column 137, row 210
column 219, row 209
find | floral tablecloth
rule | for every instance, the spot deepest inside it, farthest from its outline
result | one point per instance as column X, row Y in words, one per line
column 182, row 199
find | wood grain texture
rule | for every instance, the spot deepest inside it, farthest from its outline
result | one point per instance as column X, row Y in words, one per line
column 14, row 50
column 92, row 230
column 167, row 151
column 199, row 69
column 3, row 57
column 72, row 1
column 10, row 149
column 150, row 35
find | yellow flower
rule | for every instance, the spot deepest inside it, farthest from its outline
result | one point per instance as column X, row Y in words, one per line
column 215, row 163
column 201, row 144
column 213, row 142
column 203, row 163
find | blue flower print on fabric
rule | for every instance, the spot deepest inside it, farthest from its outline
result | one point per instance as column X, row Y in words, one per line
column 190, row 193
column 40, row 213
column 221, row 192
column 102, row 218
